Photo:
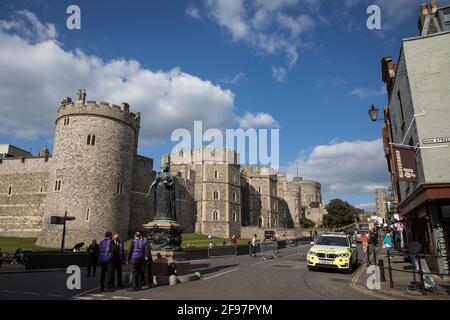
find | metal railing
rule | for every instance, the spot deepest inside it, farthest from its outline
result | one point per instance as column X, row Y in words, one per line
column 421, row 276
column 222, row 251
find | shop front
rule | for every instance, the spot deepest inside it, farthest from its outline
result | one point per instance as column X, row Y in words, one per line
column 427, row 220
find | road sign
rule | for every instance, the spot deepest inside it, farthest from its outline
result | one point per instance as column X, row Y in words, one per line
column 62, row 220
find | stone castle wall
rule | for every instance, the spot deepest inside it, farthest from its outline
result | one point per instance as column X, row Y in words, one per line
column 22, row 206
column 95, row 178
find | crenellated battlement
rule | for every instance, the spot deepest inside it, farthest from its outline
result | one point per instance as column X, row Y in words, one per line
column 102, row 109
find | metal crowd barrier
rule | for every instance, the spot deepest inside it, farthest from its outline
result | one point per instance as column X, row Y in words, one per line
column 265, row 250
column 222, row 251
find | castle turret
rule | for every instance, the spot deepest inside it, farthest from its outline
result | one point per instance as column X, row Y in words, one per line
column 91, row 171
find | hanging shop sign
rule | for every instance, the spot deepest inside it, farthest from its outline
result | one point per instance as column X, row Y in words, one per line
column 405, row 164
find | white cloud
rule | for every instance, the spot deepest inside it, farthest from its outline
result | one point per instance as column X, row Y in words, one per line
column 279, row 73
column 345, row 167
column 368, row 207
column 365, row 93
column 233, row 80
column 28, row 26
column 263, row 25
column 260, row 120
column 36, row 75
column 193, row 12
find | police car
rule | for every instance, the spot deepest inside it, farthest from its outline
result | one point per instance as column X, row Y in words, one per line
column 333, row 250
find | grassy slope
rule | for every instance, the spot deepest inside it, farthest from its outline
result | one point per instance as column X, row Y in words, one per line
column 9, row 245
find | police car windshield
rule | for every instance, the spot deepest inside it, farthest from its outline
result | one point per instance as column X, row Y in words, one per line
column 332, row 241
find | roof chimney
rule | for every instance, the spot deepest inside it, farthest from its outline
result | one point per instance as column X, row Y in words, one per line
column 434, row 6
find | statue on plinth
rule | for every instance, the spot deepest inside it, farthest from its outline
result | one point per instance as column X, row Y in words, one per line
column 164, row 231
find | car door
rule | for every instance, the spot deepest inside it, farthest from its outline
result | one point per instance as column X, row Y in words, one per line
column 354, row 250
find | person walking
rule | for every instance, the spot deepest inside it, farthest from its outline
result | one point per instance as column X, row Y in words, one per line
column 233, row 240
column 118, row 254
column 136, row 257
column 93, row 252
column 253, row 245
column 388, row 242
column 149, row 263
column 365, row 245
column 106, row 263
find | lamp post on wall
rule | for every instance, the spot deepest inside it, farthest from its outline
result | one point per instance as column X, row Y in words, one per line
column 373, row 114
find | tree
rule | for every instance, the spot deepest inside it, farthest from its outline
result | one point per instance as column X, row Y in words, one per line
column 307, row 224
column 340, row 214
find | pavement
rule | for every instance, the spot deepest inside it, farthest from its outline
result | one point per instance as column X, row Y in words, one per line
column 405, row 287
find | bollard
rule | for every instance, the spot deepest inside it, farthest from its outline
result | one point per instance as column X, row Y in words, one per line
column 391, row 281
column 374, row 255
column 422, row 282
column 382, row 274
column 368, row 254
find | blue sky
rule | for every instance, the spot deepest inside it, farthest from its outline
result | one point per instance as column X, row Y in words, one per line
column 224, row 53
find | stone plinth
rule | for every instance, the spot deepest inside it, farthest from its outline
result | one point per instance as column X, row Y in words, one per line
column 165, row 236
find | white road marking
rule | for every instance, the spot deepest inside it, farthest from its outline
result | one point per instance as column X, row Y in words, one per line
column 9, row 291
column 84, row 298
column 122, row 298
column 96, row 295
column 220, row 274
column 32, row 293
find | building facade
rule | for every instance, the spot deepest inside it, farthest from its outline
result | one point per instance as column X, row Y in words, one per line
column 226, row 196
column 94, row 174
column 380, row 202
column 417, row 119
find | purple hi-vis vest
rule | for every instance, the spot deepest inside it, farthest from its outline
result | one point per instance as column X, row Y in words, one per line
column 138, row 249
column 105, row 250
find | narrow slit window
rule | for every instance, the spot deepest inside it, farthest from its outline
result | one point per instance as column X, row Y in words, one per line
column 89, row 139
column 93, row 140
column 9, row 190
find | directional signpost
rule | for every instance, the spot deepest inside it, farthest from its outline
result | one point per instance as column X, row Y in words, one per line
column 62, row 220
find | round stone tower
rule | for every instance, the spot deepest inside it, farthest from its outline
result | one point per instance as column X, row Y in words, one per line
column 91, row 171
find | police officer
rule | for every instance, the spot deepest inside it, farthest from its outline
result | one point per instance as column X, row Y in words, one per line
column 136, row 257
column 106, row 262
column 118, row 254
column 149, row 262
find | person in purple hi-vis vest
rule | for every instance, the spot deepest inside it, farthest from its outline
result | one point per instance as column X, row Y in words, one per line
column 106, row 262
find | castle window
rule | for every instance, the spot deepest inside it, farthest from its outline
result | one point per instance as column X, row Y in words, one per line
column 216, row 195
column 57, row 185
column 234, row 216
column 216, row 174
column 88, row 213
column 93, row 140
column 9, row 190
column 260, row 222
column 234, row 197
column 41, row 190
column 68, row 119
column 119, row 187
column 88, row 139
column 259, row 189
column 215, row 215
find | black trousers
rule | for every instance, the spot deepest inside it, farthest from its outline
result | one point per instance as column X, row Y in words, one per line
column 138, row 275
column 106, row 275
column 92, row 264
column 117, row 269
column 148, row 266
